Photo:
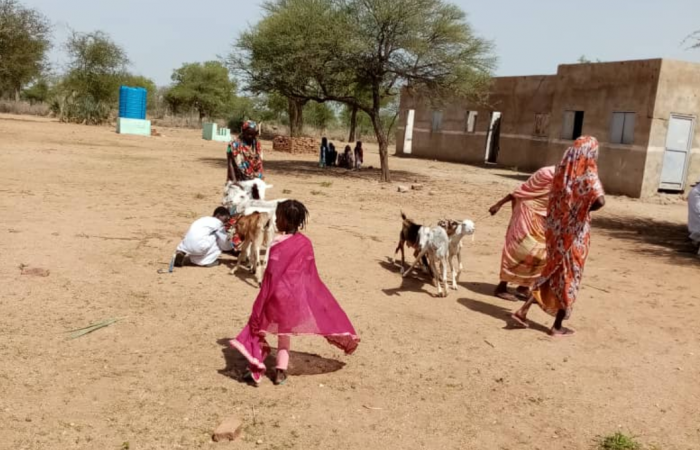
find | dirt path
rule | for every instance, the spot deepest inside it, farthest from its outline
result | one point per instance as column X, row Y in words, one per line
column 104, row 212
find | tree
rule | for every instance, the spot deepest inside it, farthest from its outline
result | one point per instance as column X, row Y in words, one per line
column 320, row 115
column 584, row 60
column 24, row 43
column 205, row 87
column 96, row 68
column 265, row 57
column 376, row 48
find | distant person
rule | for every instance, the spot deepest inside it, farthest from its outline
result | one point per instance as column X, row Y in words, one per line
column 525, row 250
column 323, row 153
column 576, row 191
column 293, row 301
column 346, row 158
column 694, row 215
column 332, row 155
column 244, row 155
column 359, row 155
column 205, row 240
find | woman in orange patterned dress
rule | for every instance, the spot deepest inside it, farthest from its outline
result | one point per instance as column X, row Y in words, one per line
column 525, row 251
column 576, row 191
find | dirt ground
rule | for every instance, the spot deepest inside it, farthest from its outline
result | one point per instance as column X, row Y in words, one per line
column 104, row 212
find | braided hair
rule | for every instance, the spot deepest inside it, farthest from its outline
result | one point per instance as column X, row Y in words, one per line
column 294, row 216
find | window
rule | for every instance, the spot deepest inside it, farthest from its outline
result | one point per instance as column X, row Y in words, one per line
column 572, row 125
column 471, row 121
column 622, row 128
column 541, row 125
column 437, row 121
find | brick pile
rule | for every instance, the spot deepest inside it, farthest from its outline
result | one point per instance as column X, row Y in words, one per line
column 295, row 145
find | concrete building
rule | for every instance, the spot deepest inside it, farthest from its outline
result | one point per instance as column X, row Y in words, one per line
column 643, row 113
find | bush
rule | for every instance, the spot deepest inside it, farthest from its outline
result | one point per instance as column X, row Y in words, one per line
column 24, row 108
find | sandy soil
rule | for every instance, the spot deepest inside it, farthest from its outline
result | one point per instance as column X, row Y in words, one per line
column 104, row 212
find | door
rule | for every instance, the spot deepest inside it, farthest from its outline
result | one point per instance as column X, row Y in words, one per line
column 678, row 143
column 408, row 134
column 493, row 138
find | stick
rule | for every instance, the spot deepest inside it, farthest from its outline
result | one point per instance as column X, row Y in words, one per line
column 597, row 288
column 254, row 416
column 372, row 408
column 489, row 343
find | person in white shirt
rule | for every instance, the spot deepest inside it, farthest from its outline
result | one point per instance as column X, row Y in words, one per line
column 205, row 240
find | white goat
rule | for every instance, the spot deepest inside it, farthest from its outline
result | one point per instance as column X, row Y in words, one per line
column 256, row 189
column 456, row 232
column 434, row 243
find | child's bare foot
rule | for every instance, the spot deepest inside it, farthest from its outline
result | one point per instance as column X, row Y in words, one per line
column 561, row 332
column 280, row 377
column 519, row 320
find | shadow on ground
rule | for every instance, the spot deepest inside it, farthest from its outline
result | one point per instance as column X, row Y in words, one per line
column 415, row 282
column 300, row 168
column 498, row 312
column 300, row 363
column 657, row 238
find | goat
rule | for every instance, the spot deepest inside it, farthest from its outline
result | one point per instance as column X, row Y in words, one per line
column 256, row 189
column 434, row 243
column 456, row 232
column 256, row 230
column 408, row 236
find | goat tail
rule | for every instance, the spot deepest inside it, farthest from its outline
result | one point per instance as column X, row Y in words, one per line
column 403, row 216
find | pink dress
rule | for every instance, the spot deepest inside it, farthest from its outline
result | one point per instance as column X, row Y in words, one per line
column 293, row 301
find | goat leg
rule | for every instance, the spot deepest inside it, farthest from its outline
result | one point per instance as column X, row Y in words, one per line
column 415, row 263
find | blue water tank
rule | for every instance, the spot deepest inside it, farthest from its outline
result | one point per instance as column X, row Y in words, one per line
column 132, row 103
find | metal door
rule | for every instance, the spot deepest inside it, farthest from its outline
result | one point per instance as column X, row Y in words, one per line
column 678, row 143
column 408, row 135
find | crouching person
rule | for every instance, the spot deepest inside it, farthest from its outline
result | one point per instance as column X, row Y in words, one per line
column 205, row 240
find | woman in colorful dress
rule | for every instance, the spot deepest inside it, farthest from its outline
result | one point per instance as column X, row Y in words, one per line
column 525, row 250
column 576, row 191
column 244, row 155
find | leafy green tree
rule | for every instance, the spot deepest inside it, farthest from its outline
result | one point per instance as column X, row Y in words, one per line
column 320, row 115
column 90, row 89
column 205, row 87
column 375, row 48
column 38, row 92
column 24, row 43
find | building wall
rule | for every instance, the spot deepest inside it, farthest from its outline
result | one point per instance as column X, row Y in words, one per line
column 598, row 90
column 677, row 94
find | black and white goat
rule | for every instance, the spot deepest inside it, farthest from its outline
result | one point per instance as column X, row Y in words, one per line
column 434, row 243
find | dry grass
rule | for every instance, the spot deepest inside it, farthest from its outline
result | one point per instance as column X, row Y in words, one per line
column 24, row 108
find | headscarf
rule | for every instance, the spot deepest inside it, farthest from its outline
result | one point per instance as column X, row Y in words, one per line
column 249, row 124
column 575, row 188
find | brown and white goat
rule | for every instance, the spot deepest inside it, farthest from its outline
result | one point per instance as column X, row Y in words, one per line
column 256, row 230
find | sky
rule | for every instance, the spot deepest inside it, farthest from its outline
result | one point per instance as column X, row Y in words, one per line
column 531, row 37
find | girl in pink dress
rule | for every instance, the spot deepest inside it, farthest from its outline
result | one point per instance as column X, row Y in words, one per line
column 293, row 301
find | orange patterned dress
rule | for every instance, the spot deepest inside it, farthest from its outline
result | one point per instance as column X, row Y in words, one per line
column 575, row 188
column 525, row 251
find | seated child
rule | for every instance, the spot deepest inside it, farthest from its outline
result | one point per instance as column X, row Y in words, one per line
column 205, row 240
column 292, row 301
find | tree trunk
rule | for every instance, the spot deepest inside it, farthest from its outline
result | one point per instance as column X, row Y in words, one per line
column 380, row 133
column 17, row 94
column 383, row 141
column 353, row 124
column 296, row 116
